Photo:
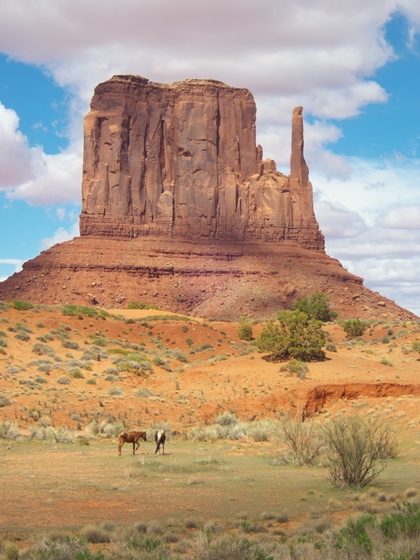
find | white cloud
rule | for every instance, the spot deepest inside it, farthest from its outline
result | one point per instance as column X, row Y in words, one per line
column 60, row 236
column 395, row 278
column 403, row 217
column 57, row 180
column 18, row 161
column 16, row 263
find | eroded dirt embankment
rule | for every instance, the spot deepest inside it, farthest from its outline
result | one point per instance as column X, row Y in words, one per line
column 324, row 395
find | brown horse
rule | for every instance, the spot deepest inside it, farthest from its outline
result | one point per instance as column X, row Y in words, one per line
column 160, row 438
column 130, row 437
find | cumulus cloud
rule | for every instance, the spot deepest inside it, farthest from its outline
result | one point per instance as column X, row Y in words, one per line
column 18, row 162
column 395, row 278
column 59, row 236
column 55, row 180
column 16, row 266
column 402, row 217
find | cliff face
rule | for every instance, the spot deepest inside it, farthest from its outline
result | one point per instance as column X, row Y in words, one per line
column 181, row 160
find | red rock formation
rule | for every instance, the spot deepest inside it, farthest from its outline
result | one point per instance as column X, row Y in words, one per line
column 181, row 160
column 179, row 210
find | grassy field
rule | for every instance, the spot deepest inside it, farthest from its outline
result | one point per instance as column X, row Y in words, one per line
column 69, row 383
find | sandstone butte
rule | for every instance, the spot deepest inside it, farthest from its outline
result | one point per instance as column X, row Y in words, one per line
column 180, row 210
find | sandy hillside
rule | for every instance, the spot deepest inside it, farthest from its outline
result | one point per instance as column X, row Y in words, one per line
column 143, row 367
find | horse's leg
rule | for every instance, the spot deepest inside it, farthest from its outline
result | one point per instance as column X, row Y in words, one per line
column 137, row 444
column 120, row 444
column 134, row 447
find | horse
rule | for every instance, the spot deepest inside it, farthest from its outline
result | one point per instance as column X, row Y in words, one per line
column 130, row 437
column 160, row 438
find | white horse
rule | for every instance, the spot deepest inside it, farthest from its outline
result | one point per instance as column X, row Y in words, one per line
column 160, row 438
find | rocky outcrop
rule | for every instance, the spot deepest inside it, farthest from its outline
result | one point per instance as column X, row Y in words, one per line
column 181, row 160
column 180, row 211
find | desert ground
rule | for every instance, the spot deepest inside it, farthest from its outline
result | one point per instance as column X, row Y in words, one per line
column 72, row 378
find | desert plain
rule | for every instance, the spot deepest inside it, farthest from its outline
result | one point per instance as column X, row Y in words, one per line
column 72, row 378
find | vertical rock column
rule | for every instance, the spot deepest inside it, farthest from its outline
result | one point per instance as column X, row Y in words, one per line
column 300, row 186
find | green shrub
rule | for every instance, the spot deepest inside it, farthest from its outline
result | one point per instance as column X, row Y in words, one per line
column 115, row 391
column 296, row 367
column 76, row 374
column 140, row 305
column 354, row 327
column 4, row 401
column 416, row 346
column 9, row 430
column 404, row 520
column 22, row 305
column 70, row 344
column 245, row 331
column 22, row 335
column 95, row 535
column 82, row 311
column 295, row 336
column 317, row 307
column 354, row 538
column 226, row 419
column 41, row 349
column 386, row 362
column 100, row 341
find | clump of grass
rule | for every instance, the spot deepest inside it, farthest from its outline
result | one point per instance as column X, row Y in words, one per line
column 22, row 335
column 203, row 348
column 9, row 430
column 95, row 535
column 296, row 367
column 410, row 492
column 116, row 392
column 22, row 305
column 144, row 393
column 62, row 434
column 76, row 374
column 140, row 305
column 70, row 344
column 386, row 362
column 4, row 401
column 40, row 349
column 227, row 419
column 104, row 429
column 82, row 311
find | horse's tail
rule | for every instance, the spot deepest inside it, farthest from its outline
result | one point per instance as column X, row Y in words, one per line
column 122, row 438
column 159, row 439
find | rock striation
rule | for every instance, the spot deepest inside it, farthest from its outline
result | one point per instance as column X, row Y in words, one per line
column 181, row 161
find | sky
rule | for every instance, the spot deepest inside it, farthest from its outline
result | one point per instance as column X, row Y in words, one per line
column 353, row 65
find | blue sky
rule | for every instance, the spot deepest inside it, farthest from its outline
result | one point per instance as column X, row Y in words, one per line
column 354, row 66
